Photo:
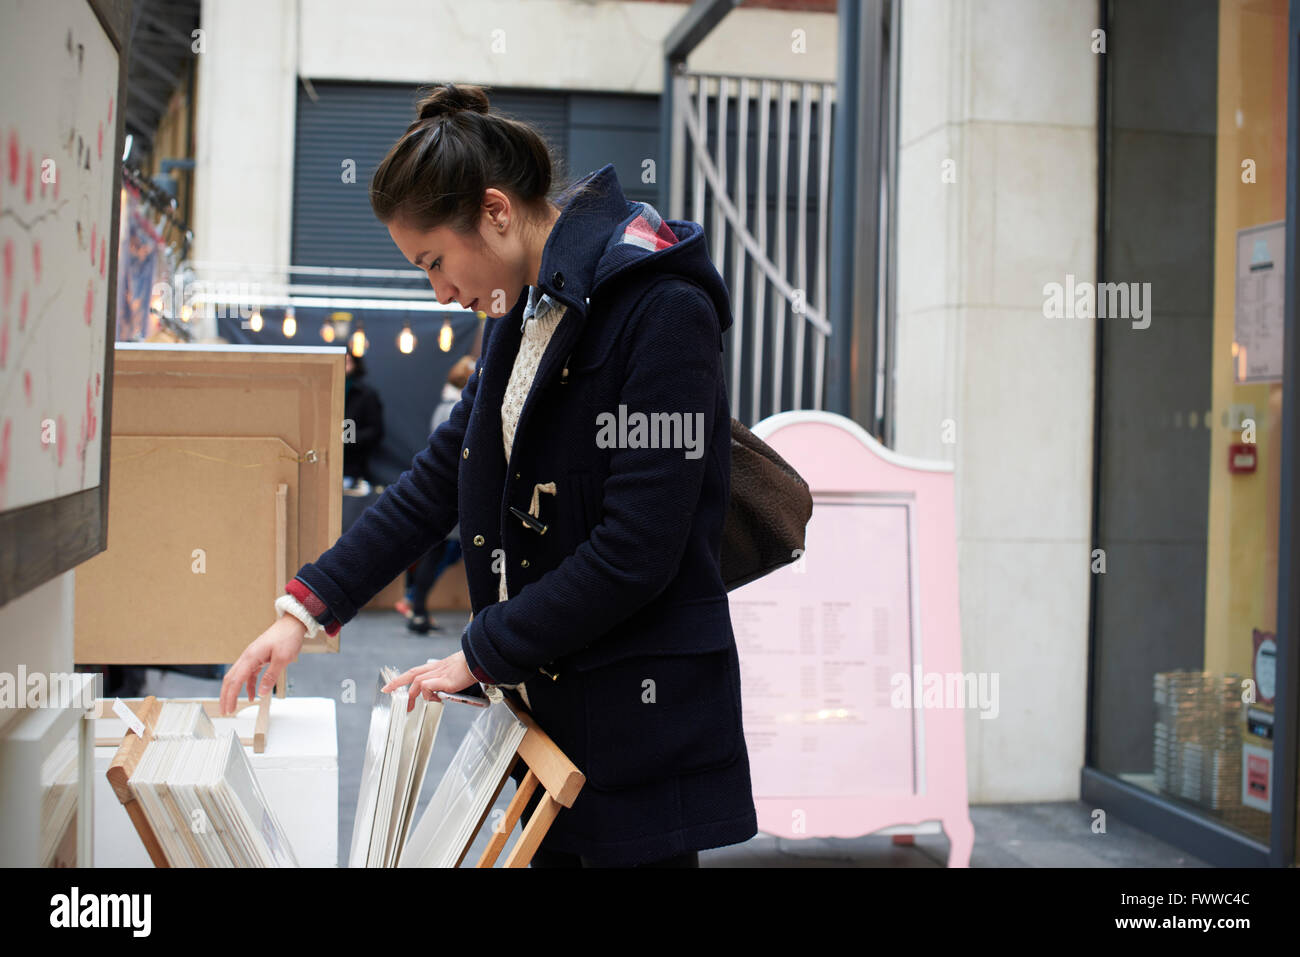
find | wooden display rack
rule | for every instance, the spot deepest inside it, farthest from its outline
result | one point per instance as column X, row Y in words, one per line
column 548, row 767
column 212, row 706
column 131, row 749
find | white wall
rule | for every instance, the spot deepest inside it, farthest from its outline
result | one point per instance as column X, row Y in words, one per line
column 243, row 131
column 1007, row 90
column 608, row 45
column 257, row 49
column 36, row 629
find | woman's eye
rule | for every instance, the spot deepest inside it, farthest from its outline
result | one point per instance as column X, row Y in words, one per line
column 435, row 262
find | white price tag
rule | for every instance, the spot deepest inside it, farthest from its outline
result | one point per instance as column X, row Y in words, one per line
column 130, row 717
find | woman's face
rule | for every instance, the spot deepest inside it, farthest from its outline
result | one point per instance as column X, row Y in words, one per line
column 489, row 275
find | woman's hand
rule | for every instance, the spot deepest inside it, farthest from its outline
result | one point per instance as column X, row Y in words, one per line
column 451, row 674
column 277, row 646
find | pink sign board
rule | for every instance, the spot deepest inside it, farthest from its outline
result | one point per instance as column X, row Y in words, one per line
column 833, row 646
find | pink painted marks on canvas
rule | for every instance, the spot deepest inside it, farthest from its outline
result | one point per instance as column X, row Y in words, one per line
column 15, row 159
column 90, row 300
column 91, row 420
column 7, row 276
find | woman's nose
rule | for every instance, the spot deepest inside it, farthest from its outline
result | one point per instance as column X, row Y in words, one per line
column 442, row 300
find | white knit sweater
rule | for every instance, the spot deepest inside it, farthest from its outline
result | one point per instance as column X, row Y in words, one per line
column 540, row 322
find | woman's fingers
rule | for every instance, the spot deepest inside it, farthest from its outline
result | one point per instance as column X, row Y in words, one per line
column 242, row 674
column 427, row 688
column 274, row 668
column 231, row 684
column 410, row 674
column 269, row 678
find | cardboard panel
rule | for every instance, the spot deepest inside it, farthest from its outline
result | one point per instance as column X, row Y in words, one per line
column 190, row 573
column 294, row 394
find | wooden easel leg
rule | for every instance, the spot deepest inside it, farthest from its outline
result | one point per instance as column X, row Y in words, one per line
column 517, row 804
column 522, row 853
column 281, row 568
column 136, row 813
column 262, row 723
column 125, row 761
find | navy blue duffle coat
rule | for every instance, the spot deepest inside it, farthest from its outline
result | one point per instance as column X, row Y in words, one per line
column 617, row 616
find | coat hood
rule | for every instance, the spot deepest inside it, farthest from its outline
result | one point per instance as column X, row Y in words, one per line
column 601, row 234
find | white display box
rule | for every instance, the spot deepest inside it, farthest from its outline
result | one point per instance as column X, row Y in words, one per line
column 298, row 772
column 29, row 738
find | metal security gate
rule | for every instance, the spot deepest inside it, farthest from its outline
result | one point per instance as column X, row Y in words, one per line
column 751, row 162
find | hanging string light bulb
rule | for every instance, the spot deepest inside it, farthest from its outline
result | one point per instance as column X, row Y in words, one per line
column 359, row 342
column 327, row 331
column 445, row 336
column 339, row 323
column 255, row 321
column 290, row 323
column 406, row 340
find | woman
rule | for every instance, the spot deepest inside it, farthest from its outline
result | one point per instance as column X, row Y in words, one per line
column 588, row 462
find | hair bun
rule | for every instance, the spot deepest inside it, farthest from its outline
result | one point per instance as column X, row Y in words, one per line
column 448, row 99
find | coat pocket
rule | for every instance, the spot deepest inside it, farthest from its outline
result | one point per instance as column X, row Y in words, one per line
column 664, row 703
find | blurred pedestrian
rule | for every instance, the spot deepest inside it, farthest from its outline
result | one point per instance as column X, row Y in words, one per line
column 447, row 552
column 363, row 408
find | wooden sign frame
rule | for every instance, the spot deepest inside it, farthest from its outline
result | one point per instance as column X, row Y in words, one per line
column 838, row 458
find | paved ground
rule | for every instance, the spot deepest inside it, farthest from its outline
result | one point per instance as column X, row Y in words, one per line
column 1006, row 835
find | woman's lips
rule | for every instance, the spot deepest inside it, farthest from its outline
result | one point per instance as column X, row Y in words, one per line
column 473, row 306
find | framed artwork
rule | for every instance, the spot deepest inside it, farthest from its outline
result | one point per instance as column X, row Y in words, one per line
column 60, row 183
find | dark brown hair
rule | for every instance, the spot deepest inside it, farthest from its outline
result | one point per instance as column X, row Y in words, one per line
column 436, row 173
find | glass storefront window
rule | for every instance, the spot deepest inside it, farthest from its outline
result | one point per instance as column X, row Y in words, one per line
column 1190, row 426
